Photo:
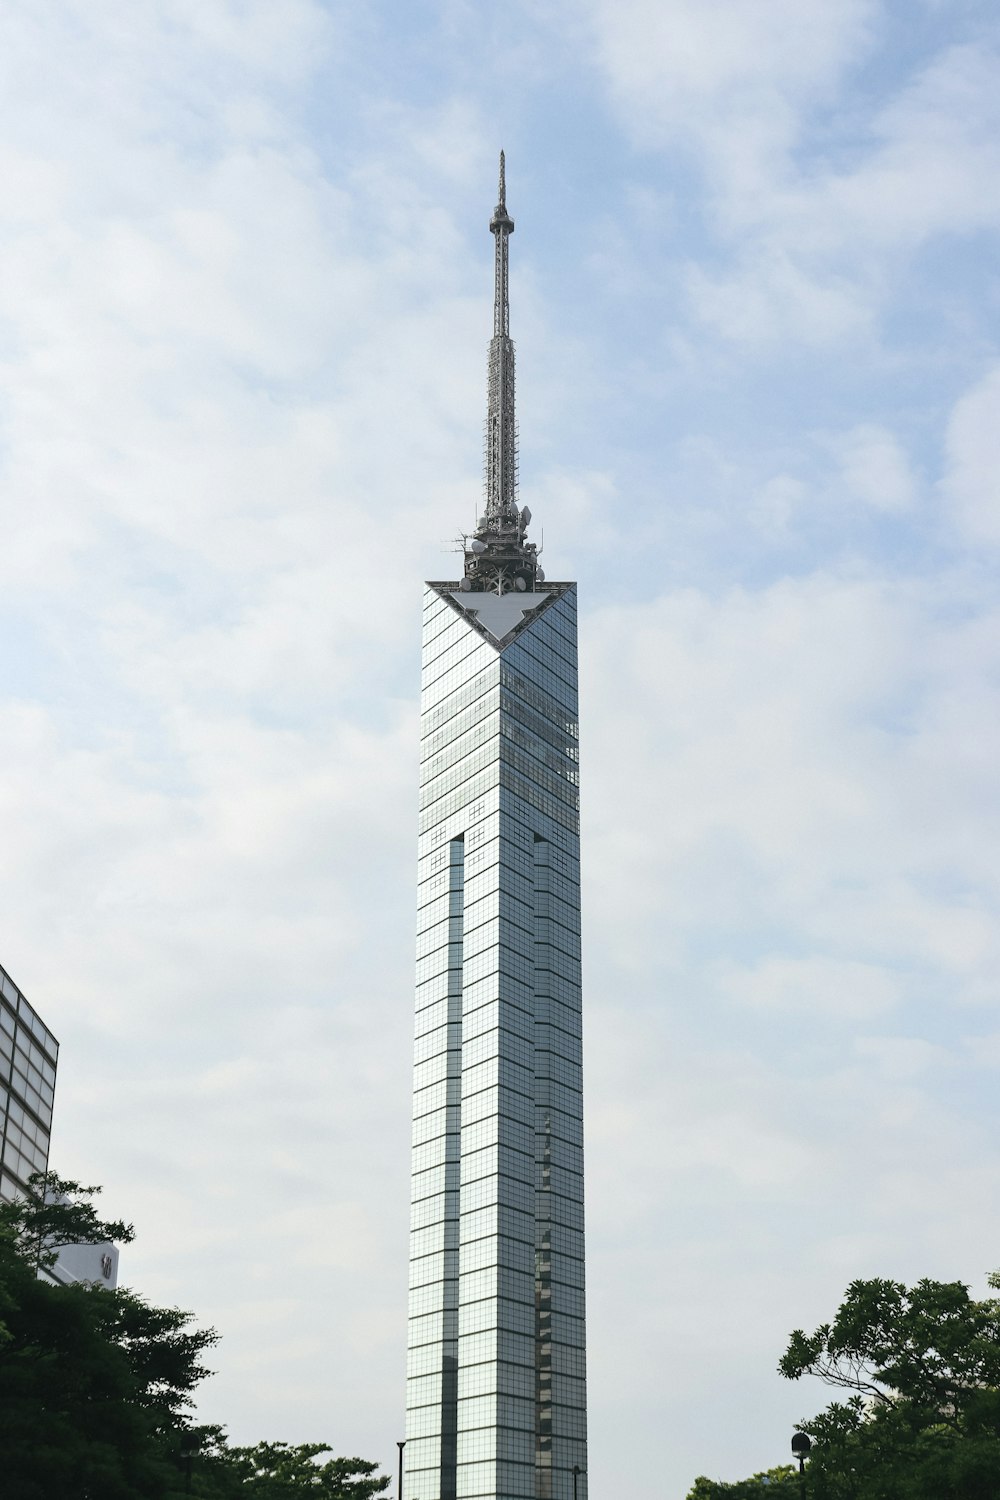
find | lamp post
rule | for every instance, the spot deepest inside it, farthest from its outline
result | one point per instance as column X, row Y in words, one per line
column 577, row 1471
column 800, row 1447
column 400, row 1444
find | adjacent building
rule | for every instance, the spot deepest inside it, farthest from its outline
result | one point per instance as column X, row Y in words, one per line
column 29, row 1057
column 496, row 1393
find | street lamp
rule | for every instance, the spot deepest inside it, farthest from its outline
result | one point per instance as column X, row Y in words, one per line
column 800, row 1447
column 577, row 1471
column 400, row 1445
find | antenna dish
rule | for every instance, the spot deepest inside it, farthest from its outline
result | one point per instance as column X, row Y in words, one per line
column 525, row 516
column 476, row 545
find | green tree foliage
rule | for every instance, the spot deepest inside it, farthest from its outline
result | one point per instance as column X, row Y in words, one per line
column 773, row 1484
column 54, row 1212
column 921, row 1421
column 96, row 1385
column 280, row 1471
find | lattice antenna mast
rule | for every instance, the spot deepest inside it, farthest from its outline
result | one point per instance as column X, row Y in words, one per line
column 501, row 430
column 498, row 556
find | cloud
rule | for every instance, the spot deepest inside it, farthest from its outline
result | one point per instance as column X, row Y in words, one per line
column 875, row 469
column 971, row 483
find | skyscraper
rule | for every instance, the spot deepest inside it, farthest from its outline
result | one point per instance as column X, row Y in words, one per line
column 496, row 1393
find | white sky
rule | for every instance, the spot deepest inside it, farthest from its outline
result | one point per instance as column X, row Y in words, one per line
column 246, row 299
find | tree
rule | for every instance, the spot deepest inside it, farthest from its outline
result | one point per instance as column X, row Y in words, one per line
column 772, row 1484
column 55, row 1211
column 922, row 1418
column 96, row 1386
column 281, row 1471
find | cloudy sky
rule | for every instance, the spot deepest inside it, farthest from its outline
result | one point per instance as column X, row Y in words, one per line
column 245, row 279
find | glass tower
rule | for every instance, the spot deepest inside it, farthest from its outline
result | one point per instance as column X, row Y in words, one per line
column 496, row 1393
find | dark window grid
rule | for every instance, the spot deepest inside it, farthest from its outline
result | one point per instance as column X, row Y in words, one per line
column 516, row 793
column 561, row 1210
column 558, row 637
column 549, row 644
column 548, row 674
column 548, row 1091
column 571, row 1272
column 553, row 697
column 560, row 1153
column 560, row 1125
column 535, row 753
column 563, row 1069
column 565, row 1018
column 522, row 761
column 550, row 933
column 556, row 621
column 562, row 718
column 563, row 904
column 568, row 1330
column 554, row 1039
column 567, row 1301
column 553, row 961
column 538, row 726
column 551, row 986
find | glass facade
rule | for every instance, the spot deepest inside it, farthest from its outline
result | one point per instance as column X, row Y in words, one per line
column 496, row 1392
column 29, row 1054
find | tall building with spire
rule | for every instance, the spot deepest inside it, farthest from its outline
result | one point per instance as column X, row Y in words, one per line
column 496, row 1391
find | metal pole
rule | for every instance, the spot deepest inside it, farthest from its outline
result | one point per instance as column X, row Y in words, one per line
column 400, row 1446
column 576, row 1474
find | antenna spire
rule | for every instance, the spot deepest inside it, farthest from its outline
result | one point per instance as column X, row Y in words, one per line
column 499, row 557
